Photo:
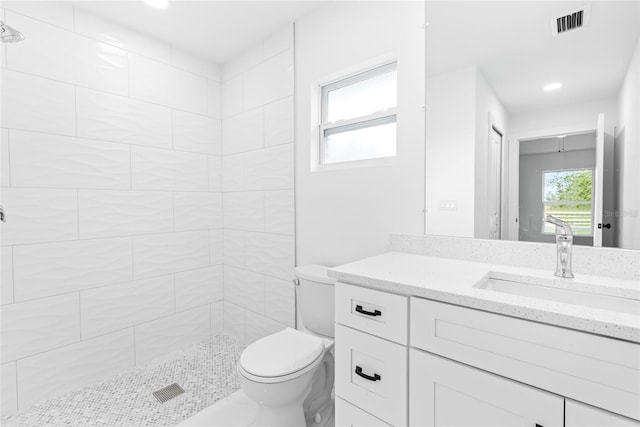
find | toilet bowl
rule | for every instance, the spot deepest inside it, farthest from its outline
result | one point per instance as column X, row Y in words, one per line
column 290, row 374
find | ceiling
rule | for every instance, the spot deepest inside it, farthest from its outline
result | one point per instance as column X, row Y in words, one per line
column 214, row 30
column 512, row 44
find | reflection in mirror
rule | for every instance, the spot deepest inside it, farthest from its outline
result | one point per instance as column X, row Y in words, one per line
column 533, row 108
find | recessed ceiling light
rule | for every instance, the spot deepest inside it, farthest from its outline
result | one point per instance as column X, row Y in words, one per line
column 158, row 4
column 552, row 86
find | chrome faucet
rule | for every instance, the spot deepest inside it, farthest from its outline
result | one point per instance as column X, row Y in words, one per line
column 564, row 243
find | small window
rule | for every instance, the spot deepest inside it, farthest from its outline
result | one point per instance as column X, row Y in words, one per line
column 359, row 116
column 567, row 195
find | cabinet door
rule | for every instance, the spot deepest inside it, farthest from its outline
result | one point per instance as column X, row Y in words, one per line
column 445, row 393
column 580, row 415
column 348, row 415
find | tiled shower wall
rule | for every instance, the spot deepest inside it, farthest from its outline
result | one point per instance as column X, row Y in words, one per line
column 257, row 99
column 112, row 187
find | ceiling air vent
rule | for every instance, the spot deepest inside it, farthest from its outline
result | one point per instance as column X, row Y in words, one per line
column 570, row 20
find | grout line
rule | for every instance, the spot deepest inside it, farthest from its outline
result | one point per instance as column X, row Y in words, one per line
column 15, row 363
column 175, row 303
column 130, row 168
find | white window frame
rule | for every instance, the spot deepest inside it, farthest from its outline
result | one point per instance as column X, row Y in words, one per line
column 567, row 202
column 376, row 118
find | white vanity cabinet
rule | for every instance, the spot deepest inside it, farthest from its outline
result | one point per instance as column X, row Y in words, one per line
column 413, row 361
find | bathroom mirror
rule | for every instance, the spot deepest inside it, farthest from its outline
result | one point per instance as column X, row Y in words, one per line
column 532, row 109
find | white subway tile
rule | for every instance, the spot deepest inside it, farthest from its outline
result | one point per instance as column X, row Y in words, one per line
column 280, row 301
column 214, row 99
column 258, row 326
column 6, row 275
column 114, row 307
column 155, row 169
column 193, row 64
column 193, row 132
column 36, row 326
column 117, row 118
column 244, row 288
column 41, row 160
column 197, row 287
column 5, row 180
column 234, row 247
column 196, row 211
column 244, row 211
column 232, row 97
column 233, row 172
column 37, row 104
column 9, row 392
column 170, row 253
column 172, row 333
column 270, row 254
column 56, row 268
column 243, row 132
column 279, row 212
column 269, row 81
column 3, row 46
column 216, row 246
column 269, row 169
column 217, row 318
column 278, row 122
column 279, row 42
column 51, row 52
column 39, row 215
column 215, row 173
column 51, row 374
column 156, row 82
column 234, row 321
column 121, row 37
column 57, row 13
column 124, row 213
column 241, row 63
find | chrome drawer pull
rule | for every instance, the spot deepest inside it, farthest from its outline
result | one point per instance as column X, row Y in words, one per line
column 375, row 377
column 359, row 309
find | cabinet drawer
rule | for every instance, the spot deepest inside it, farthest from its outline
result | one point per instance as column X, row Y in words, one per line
column 348, row 415
column 378, row 313
column 371, row 373
column 600, row 371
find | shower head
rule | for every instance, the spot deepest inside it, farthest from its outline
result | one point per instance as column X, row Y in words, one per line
column 10, row 35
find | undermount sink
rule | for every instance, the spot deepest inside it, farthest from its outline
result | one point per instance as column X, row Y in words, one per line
column 547, row 290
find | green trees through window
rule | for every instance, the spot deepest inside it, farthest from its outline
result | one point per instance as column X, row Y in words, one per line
column 568, row 196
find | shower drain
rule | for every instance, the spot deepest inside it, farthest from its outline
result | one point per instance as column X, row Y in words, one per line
column 167, row 393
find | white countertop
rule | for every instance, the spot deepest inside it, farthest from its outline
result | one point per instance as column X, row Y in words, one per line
column 452, row 281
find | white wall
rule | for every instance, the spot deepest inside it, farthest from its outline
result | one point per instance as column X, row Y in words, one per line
column 628, row 156
column 450, row 157
column 111, row 183
column 347, row 213
column 459, row 105
column 487, row 105
column 257, row 98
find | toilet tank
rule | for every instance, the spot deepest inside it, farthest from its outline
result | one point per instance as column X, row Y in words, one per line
column 315, row 299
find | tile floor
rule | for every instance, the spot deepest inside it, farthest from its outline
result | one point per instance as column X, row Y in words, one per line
column 206, row 371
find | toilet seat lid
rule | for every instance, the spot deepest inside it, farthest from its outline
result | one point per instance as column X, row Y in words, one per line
column 282, row 353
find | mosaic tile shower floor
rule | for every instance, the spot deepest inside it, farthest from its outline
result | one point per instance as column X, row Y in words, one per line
column 206, row 371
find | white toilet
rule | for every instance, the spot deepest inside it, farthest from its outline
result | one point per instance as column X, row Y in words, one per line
column 289, row 374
